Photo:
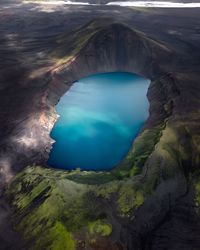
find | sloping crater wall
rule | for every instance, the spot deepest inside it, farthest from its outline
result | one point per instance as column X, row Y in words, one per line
column 115, row 47
column 92, row 49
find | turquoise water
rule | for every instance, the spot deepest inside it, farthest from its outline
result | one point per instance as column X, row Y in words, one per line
column 99, row 118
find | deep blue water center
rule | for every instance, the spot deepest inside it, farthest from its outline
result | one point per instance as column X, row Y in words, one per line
column 99, row 118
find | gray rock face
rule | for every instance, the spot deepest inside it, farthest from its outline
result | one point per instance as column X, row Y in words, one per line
column 118, row 48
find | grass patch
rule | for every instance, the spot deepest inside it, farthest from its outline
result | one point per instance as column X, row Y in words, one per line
column 55, row 238
column 100, row 228
column 142, row 147
column 129, row 198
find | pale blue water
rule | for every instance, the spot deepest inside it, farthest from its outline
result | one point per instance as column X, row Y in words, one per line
column 99, row 118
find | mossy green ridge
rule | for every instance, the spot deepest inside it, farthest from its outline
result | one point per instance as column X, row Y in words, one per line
column 76, row 40
column 54, row 207
column 139, row 152
column 60, row 238
column 132, row 165
column 51, row 210
column 77, row 204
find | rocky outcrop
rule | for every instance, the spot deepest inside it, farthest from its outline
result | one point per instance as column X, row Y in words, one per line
column 118, row 48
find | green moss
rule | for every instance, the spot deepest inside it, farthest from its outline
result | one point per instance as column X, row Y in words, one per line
column 105, row 191
column 91, row 177
column 48, row 200
column 99, row 227
column 196, row 182
column 42, row 200
column 144, row 145
column 151, row 184
column 172, row 156
column 56, row 238
column 129, row 197
column 135, row 170
column 140, row 151
column 47, row 203
column 76, row 41
column 40, row 189
column 197, row 198
column 139, row 199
